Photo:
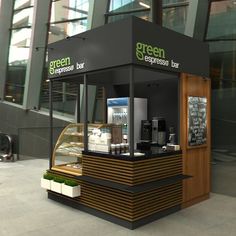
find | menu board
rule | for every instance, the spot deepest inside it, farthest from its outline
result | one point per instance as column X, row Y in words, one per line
column 197, row 121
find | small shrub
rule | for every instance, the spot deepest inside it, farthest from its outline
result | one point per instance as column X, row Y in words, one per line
column 59, row 180
column 48, row 176
column 71, row 183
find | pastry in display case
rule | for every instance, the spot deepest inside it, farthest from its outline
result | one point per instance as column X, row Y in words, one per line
column 68, row 150
column 67, row 154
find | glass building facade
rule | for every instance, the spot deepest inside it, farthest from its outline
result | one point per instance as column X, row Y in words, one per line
column 67, row 18
column 19, row 50
column 221, row 36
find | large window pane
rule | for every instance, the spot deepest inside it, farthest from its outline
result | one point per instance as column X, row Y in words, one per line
column 14, row 89
column 175, row 18
column 23, row 18
column 69, row 9
column 68, row 18
column 19, row 50
column 118, row 9
column 221, row 36
column 19, row 4
column 222, row 20
column 19, row 47
column 62, row 30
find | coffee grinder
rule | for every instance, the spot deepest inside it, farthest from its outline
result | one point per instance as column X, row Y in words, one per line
column 158, row 131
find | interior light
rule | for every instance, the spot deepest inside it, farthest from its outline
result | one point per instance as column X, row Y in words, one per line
column 8, row 96
column 47, row 80
column 144, row 4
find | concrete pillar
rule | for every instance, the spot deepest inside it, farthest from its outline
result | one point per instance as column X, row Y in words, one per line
column 36, row 61
column 197, row 19
column 6, row 12
column 96, row 16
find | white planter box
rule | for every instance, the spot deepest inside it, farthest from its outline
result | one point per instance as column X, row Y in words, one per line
column 45, row 183
column 71, row 191
column 56, row 187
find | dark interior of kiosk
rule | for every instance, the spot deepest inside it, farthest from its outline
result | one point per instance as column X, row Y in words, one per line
column 160, row 88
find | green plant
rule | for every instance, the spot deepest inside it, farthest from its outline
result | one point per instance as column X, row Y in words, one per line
column 59, row 180
column 48, row 176
column 71, row 183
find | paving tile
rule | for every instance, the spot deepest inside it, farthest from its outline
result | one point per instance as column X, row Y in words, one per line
column 26, row 211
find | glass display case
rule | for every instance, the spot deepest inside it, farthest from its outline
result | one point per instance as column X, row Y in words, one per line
column 67, row 154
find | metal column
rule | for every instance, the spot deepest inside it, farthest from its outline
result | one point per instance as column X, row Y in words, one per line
column 131, row 111
column 50, row 123
column 157, row 12
column 78, row 105
column 85, row 113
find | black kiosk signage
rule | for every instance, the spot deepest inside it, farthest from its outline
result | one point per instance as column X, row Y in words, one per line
column 149, row 186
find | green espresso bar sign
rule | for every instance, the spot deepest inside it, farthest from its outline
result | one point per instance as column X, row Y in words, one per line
column 154, row 55
column 62, row 65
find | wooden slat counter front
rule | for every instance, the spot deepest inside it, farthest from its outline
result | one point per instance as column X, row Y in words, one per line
column 129, row 191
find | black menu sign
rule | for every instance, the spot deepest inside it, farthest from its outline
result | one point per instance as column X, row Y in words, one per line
column 197, row 121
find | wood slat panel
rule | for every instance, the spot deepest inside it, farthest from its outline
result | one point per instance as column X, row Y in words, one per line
column 131, row 206
column 196, row 161
column 132, row 173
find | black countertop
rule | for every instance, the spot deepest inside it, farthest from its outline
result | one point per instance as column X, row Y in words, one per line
column 136, row 188
column 155, row 152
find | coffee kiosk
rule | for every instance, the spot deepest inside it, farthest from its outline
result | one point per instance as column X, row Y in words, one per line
column 133, row 58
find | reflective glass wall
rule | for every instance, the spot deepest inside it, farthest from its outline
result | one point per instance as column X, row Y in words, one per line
column 175, row 14
column 120, row 9
column 19, row 50
column 221, row 36
column 68, row 17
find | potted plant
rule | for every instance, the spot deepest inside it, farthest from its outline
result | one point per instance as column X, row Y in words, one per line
column 71, row 188
column 46, row 181
column 56, row 184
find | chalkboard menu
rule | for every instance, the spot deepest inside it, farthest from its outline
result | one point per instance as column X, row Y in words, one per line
column 197, row 121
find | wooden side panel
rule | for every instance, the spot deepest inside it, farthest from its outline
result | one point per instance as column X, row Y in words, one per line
column 196, row 160
column 130, row 206
column 132, row 173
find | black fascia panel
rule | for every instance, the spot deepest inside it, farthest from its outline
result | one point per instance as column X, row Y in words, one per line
column 101, row 48
column 160, row 48
column 129, row 41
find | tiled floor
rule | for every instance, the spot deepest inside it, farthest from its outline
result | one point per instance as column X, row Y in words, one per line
column 26, row 211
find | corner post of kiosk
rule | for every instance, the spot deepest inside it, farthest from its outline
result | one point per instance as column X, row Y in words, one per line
column 131, row 109
column 50, row 122
column 85, row 113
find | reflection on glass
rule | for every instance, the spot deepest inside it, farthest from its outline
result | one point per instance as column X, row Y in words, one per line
column 19, row 47
column 223, row 74
column 14, row 89
column 141, row 15
column 175, row 18
column 128, row 5
column 165, row 2
column 64, row 97
column 120, row 8
column 23, row 18
column 19, row 51
column 222, row 62
column 68, row 18
column 222, row 20
column 69, row 9
column 62, row 30
column 19, row 4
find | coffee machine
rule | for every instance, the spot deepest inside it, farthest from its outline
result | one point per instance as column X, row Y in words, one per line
column 146, row 130
column 158, row 131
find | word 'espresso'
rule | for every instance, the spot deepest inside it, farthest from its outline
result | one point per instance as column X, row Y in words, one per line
column 153, row 55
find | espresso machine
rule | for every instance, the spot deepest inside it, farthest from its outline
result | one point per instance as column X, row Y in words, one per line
column 158, row 131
